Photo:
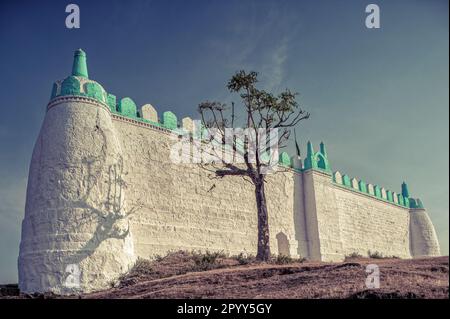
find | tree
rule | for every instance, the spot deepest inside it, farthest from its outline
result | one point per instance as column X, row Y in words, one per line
column 268, row 120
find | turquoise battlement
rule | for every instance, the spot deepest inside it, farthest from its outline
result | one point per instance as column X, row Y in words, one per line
column 376, row 191
column 79, row 84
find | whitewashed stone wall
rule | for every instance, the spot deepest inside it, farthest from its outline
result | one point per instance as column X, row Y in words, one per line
column 367, row 223
column 423, row 237
column 182, row 208
column 103, row 191
column 352, row 222
column 75, row 234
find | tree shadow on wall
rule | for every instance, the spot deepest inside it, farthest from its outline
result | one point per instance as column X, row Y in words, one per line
column 110, row 214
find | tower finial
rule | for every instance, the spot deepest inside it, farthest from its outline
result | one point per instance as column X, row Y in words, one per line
column 309, row 149
column 310, row 161
column 323, row 150
column 79, row 67
column 405, row 191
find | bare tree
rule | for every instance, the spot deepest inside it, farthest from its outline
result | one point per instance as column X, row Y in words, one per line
column 262, row 112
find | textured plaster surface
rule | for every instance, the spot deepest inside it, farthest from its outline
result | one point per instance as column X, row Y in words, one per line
column 103, row 191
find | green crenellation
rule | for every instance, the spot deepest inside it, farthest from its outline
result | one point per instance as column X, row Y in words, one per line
column 170, row 120
column 377, row 191
column 404, row 201
column 389, row 196
column 285, row 159
column 400, row 199
column 346, row 181
column 94, row 90
column 362, row 186
column 415, row 203
column 317, row 160
column 54, row 91
column 127, row 107
column 112, row 102
column 70, row 86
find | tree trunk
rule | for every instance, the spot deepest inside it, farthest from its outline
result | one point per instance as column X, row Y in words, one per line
column 263, row 223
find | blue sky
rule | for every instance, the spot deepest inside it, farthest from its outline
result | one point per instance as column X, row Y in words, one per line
column 378, row 98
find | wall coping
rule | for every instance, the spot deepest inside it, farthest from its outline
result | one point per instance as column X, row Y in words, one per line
column 76, row 98
column 157, row 128
column 352, row 190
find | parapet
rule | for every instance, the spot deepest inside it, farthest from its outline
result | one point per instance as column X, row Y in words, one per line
column 377, row 191
column 78, row 84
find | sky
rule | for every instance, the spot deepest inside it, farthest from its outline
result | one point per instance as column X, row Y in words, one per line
column 378, row 98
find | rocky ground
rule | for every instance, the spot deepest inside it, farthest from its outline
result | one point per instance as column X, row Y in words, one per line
column 187, row 275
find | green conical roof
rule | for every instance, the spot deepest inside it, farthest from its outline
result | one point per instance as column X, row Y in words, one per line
column 309, row 149
column 79, row 67
column 323, row 150
column 405, row 191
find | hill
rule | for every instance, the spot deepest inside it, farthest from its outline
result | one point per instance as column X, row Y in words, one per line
column 191, row 275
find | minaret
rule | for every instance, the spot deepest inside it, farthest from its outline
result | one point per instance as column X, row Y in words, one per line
column 309, row 160
column 323, row 149
column 75, row 233
column 309, row 149
column 79, row 67
column 405, row 191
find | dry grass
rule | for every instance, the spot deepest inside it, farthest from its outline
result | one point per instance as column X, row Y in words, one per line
column 213, row 275
column 239, row 277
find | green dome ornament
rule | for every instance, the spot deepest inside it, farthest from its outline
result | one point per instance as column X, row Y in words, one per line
column 79, row 67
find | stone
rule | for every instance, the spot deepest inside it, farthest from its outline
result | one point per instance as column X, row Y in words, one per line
column 370, row 189
column 383, row 193
column 149, row 113
column 188, row 124
column 338, row 177
column 395, row 197
column 355, row 183
column 103, row 191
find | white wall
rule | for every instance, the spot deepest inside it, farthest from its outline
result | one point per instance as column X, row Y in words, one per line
column 353, row 222
column 74, row 213
column 309, row 215
column 423, row 239
column 182, row 208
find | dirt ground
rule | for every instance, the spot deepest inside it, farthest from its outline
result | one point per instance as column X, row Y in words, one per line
column 180, row 276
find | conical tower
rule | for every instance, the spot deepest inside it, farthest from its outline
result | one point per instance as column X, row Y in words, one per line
column 75, row 234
